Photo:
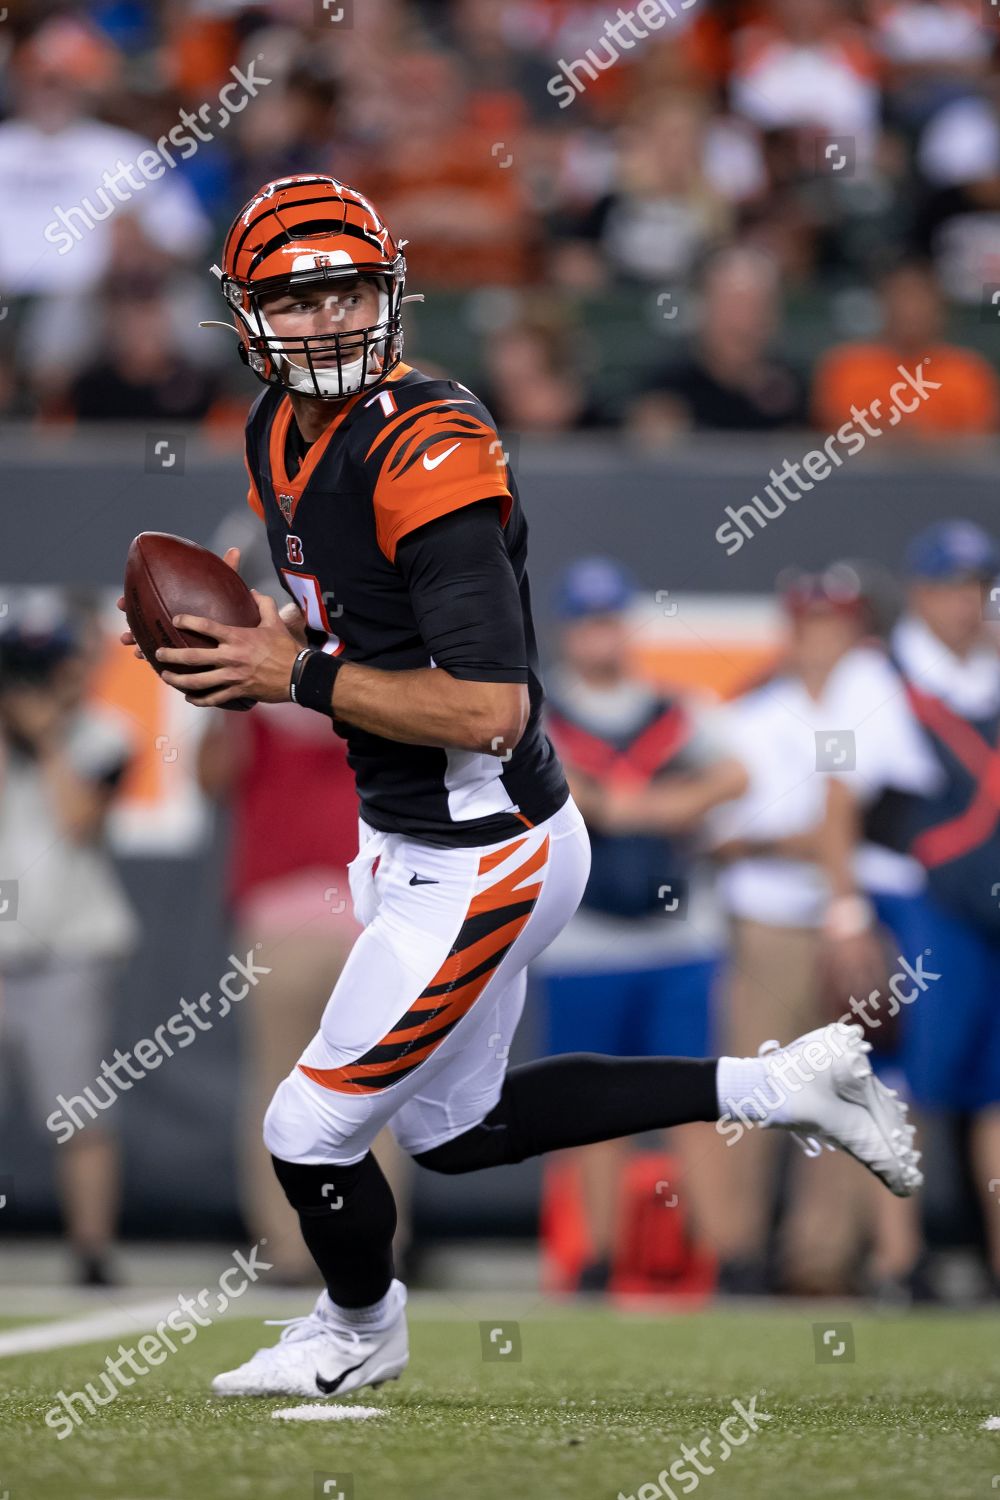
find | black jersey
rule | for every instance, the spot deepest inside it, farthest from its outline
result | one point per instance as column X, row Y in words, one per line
column 393, row 460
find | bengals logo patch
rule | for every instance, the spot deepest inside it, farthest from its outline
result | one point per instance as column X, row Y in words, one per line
column 286, row 504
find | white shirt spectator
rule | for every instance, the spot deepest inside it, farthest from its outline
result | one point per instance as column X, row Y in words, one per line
column 40, row 172
column 776, row 729
column 934, row 32
column 69, row 900
column 781, row 84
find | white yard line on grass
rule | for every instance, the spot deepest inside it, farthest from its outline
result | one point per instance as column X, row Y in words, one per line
column 86, row 1330
column 318, row 1411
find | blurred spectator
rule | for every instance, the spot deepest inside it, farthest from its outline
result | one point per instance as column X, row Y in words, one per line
column 662, row 212
column 53, row 157
column 483, row 34
column 958, row 211
column 143, row 374
column 729, row 380
column 623, row 977
column 932, row 49
column 806, row 67
column 926, row 757
column 774, row 889
column 297, row 128
column 448, row 185
column 535, row 378
column 68, row 924
column 968, row 397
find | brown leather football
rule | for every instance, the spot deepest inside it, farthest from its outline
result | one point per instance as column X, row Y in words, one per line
column 168, row 575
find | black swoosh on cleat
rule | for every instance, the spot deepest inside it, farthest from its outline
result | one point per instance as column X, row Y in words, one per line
column 422, row 880
column 327, row 1387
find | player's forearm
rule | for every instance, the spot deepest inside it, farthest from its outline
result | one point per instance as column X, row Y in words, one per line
column 427, row 706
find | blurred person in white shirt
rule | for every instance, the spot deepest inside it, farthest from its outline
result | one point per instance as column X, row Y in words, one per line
column 54, row 154
column 793, row 732
column 806, row 66
column 67, row 923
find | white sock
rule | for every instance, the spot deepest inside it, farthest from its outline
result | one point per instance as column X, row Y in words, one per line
column 372, row 1319
column 747, row 1091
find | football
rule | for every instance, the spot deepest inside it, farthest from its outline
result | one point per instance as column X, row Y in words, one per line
column 169, row 575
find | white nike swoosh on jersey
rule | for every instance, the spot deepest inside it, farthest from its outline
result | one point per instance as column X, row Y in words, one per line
column 432, row 463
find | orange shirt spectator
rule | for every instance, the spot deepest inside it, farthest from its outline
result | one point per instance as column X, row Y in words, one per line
column 968, row 397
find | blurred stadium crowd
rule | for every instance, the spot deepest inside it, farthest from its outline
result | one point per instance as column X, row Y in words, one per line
column 663, row 233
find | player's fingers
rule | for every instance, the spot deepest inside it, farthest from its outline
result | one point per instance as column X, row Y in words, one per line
column 269, row 614
column 231, row 557
column 198, row 682
column 120, row 601
column 193, row 656
column 200, row 626
column 215, row 700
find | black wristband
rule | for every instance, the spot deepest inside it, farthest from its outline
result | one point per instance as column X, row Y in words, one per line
column 313, row 675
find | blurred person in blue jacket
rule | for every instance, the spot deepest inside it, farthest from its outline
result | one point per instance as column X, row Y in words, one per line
column 939, row 825
column 633, row 971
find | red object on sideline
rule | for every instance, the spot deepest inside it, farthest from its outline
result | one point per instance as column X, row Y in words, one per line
column 655, row 1253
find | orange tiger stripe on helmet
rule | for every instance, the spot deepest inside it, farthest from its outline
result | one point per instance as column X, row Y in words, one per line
column 305, row 215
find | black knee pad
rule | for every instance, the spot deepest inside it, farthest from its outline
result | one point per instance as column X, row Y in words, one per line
column 314, row 1191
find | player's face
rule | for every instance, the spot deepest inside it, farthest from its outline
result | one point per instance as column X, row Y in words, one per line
column 308, row 312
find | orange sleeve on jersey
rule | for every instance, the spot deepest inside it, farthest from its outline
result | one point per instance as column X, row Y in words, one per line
column 253, row 494
column 444, row 459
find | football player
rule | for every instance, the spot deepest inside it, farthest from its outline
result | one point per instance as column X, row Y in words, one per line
column 395, row 526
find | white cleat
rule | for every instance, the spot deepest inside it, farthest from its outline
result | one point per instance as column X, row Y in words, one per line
column 317, row 1357
column 834, row 1100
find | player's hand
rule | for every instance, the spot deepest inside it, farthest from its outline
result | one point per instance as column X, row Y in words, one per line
column 231, row 557
column 248, row 661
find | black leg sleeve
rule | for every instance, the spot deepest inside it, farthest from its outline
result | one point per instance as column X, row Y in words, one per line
column 579, row 1099
column 348, row 1218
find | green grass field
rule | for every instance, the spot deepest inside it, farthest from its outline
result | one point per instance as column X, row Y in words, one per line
column 599, row 1403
